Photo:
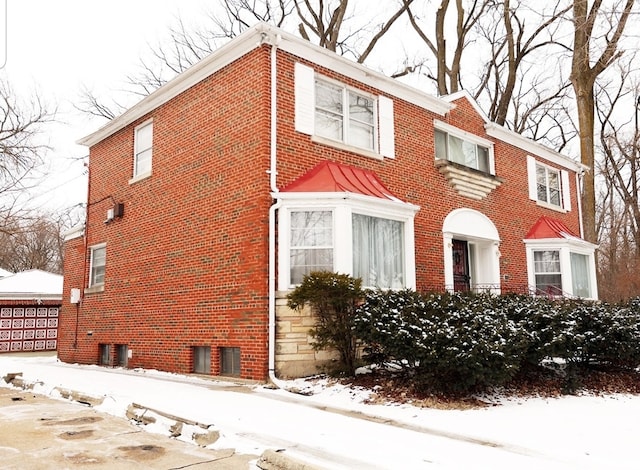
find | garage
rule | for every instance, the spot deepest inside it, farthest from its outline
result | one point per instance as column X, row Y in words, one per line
column 29, row 311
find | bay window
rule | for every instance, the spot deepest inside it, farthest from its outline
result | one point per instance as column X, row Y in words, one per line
column 372, row 240
column 562, row 267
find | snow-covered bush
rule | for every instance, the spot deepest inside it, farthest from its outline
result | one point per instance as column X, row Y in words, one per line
column 450, row 342
column 465, row 342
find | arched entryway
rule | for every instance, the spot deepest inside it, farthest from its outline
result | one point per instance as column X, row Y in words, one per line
column 471, row 252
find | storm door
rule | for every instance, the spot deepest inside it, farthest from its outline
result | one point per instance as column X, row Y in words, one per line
column 461, row 277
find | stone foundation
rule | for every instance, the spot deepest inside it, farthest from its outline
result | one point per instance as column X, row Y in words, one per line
column 295, row 356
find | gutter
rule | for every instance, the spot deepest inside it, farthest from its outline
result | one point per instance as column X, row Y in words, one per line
column 273, row 173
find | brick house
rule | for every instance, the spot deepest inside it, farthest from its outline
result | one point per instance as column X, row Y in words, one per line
column 214, row 195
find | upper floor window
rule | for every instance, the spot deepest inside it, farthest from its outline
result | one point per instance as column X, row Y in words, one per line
column 341, row 116
column 143, row 143
column 463, row 151
column 97, row 266
column 344, row 115
column 548, row 186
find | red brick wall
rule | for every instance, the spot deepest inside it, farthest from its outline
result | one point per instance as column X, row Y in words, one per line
column 413, row 177
column 72, row 342
column 187, row 264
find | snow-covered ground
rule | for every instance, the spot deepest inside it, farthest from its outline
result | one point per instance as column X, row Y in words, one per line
column 333, row 427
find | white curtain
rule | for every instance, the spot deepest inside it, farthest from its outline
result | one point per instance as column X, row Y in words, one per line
column 580, row 275
column 378, row 251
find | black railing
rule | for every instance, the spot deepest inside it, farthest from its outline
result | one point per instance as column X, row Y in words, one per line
column 549, row 291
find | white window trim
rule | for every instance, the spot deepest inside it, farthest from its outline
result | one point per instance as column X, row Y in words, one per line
column 305, row 108
column 565, row 247
column 141, row 176
column 343, row 205
column 565, row 188
column 95, row 287
column 469, row 137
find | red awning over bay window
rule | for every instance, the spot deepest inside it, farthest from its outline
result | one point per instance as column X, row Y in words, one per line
column 330, row 176
column 547, row 227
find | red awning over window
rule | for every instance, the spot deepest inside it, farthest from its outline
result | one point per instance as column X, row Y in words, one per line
column 331, row 177
column 546, row 227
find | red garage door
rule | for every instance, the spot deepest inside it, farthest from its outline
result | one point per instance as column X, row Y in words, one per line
column 28, row 329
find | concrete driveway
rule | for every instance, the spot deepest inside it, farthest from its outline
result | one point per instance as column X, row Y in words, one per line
column 42, row 433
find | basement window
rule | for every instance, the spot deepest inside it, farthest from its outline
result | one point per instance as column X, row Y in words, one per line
column 122, row 355
column 202, row 359
column 230, row 361
column 105, row 354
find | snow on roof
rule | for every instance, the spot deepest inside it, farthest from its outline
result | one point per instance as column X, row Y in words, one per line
column 31, row 284
column 5, row 273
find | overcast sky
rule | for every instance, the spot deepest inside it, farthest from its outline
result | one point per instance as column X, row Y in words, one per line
column 57, row 47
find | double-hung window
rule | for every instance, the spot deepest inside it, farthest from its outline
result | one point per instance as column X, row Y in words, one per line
column 548, row 274
column 344, row 115
column 461, row 147
column 548, row 186
column 143, row 144
column 98, row 260
column 311, row 243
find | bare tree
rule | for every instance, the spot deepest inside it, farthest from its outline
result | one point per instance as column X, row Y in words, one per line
column 32, row 242
column 617, row 220
column 326, row 22
column 448, row 72
column 516, row 48
column 596, row 33
column 21, row 146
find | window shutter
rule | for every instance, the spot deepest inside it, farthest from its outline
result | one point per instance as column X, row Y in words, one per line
column 305, row 98
column 386, row 130
column 566, row 190
column 531, row 173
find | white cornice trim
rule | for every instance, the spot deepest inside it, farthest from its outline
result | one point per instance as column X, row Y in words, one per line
column 323, row 198
column 465, row 94
column 254, row 37
column 518, row 140
column 535, row 148
column 74, row 232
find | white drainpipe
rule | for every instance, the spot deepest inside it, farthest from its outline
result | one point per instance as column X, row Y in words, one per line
column 579, row 176
column 273, row 212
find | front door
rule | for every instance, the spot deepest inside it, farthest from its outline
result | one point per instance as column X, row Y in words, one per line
column 461, row 276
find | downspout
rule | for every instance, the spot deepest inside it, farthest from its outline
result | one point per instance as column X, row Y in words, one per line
column 273, row 211
column 579, row 175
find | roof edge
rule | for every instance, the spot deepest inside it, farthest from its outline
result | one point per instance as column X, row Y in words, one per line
column 536, row 148
column 254, row 37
